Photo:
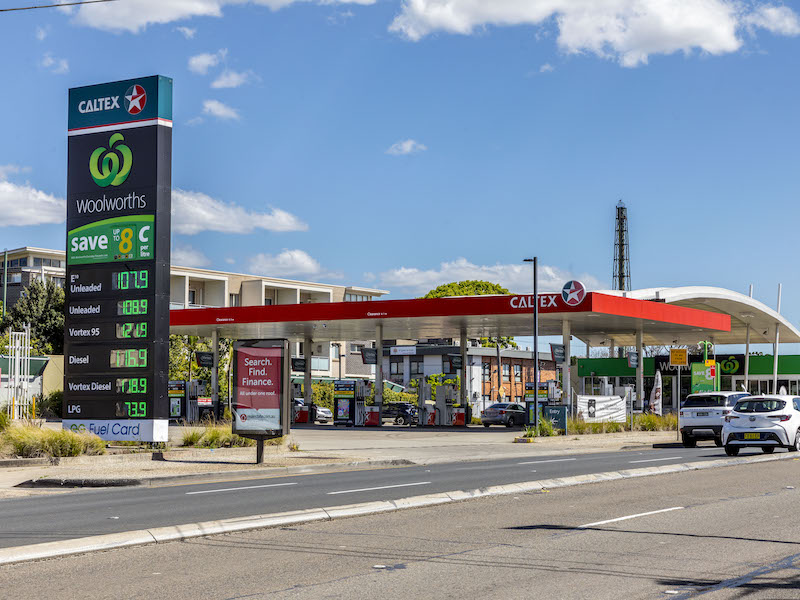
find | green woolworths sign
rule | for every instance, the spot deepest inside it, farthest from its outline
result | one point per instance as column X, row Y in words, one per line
column 110, row 240
column 702, row 381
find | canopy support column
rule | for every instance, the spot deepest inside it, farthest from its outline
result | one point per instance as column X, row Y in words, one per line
column 308, row 390
column 379, row 364
column 640, row 366
column 462, row 394
column 747, row 352
column 215, row 369
column 566, row 384
column 775, row 347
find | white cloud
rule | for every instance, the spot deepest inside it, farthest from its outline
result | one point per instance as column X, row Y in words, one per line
column 42, row 32
column 57, row 66
column 628, row 31
column 515, row 277
column 193, row 212
column 201, row 63
column 546, row 68
column 21, row 204
column 6, row 170
column 187, row 32
column 232, row 79
column 215, row 108
column 186, row 256
column 406, row 147
column 230, row 261
column 290, row 263
column 136, row 15
column 777, row 19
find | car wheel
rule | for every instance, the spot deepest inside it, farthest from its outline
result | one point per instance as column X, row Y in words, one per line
column 732, row 450
column 718, row 442
column 796, row 446
column 768, row 449
column 688, row 441
column 510, row 422
column 400, row 421
column 486, row 425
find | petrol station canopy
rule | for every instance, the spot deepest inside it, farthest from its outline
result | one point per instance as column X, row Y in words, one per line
column 597, row 318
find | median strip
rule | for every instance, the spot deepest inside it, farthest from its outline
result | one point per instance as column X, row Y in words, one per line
column 191, row 530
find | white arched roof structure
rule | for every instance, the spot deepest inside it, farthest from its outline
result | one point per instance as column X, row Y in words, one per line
column 742, row 309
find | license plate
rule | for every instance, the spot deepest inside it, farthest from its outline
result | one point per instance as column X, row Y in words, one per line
column 702, row 414
column 752, row 436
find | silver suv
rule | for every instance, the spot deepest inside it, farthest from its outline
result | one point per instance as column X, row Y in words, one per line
column 703, row 415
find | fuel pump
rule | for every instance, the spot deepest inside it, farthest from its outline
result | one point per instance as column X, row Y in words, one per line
column 446, row 395
column 427, row 410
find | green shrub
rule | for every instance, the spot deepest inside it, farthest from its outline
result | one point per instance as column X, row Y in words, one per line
column 476, row 421
column 191, row 437
column 216, row 436
column 50, row 406
column 546, row 427
column 31, row 442
column 5, row 421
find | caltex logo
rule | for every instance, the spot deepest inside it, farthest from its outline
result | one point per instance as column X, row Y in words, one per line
column 135, row 99
column 573, row 293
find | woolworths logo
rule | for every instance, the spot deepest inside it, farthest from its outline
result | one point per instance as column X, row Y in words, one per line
column 116, row 162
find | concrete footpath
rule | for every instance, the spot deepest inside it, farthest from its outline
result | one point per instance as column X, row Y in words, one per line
column 322, row 449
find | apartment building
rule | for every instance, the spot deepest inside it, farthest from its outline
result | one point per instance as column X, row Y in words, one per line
column 192, row 287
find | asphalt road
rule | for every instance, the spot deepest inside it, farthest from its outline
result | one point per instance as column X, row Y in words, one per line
column 718, row 534
column 38, row 519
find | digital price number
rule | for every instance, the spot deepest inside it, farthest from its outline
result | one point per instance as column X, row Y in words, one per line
column 131, row 330
column 128, row 358
column 134, row 409
column 130, row 280
column 132, row 307
column 132, row 385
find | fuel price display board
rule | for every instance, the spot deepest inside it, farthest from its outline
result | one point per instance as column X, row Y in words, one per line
column 118, row 254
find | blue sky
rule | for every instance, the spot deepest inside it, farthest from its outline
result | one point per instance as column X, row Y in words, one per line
column 402, row 145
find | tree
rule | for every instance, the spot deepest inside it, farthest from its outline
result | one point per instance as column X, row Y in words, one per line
column 41, row 305
column 183, row 347
column 474, row 287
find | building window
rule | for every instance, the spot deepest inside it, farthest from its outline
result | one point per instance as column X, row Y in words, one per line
column 234, row 300
column 518, row 399
column 396, row 367
column 486, row 372
column 335, row 351
column 59, row 281
column 447, row 365
column 192, row 296
column 356, row 298
column 13, row 263
column 506, row 372
column 518, row 373
column 37, row 262
column 15, row 278
column 23, row 262
column 356, row 348
column 416, row 363
column 267, row 301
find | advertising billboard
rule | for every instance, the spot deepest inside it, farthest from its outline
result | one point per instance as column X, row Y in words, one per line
column 116, row 334
column 259, row 387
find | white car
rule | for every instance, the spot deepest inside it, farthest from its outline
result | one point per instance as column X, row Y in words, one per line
column 765, row 422
column 324, row 414
column 703, row 415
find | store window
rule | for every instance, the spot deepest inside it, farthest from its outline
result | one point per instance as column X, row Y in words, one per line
column 416, row 364
column 396, row 367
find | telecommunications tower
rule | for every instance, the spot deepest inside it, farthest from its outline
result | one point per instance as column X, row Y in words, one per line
column 622, row 258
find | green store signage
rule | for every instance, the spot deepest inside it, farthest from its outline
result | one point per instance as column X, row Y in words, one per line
column 110, row 240
column 702, row 381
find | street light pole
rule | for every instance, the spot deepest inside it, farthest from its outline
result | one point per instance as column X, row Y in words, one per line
column 535, row 261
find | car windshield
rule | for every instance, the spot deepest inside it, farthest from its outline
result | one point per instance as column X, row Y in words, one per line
column 762, row 405
column 501, row 405
column 709, row 401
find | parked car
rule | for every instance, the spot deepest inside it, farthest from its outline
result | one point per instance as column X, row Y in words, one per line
column 402, row 413
column 765, row 422
column 323, row 415
column 503, row 413
column 703, row 415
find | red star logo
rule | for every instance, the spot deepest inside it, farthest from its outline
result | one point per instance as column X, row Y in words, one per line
column 135, row 99
column 573, row 293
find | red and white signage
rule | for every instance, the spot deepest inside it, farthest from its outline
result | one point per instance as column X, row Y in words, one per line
column 258, row 389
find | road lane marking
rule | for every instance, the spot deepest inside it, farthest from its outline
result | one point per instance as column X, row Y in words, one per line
column 655, row 459
column 653, row 512
column 538, row 462
column 236, row 489
column 382, row 487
